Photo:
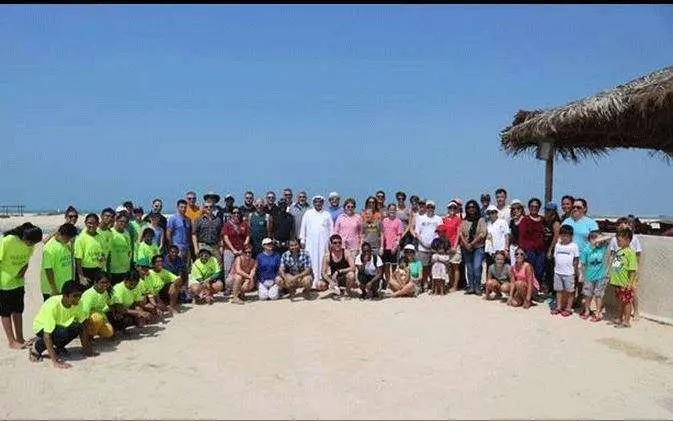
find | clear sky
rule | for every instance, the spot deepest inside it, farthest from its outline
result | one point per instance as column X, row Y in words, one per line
column 106, row 103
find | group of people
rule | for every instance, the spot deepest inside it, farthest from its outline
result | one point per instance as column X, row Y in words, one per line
column 128, row 268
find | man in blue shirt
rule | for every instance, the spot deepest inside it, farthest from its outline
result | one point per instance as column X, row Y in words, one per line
column 179, row 231
column 334, row 207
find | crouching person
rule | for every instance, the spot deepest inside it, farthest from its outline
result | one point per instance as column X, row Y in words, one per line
column 242, row 275
column 165, row 286
column 295, row 269
column 204, row 279
column 125, row 310
column 268, row 264
column 145, row 290
column 95, row 304
column 59, row 321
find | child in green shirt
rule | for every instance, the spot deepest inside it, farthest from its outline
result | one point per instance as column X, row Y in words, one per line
column 622, row 274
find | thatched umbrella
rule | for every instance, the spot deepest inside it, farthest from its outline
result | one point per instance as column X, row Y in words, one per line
column 638, row 114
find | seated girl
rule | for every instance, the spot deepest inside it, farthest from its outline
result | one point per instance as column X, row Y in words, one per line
column 243, row 273
column 523, row 282
column 406, row 279
column 498, row 277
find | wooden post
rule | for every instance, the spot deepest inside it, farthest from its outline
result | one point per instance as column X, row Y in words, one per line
column 549, row 177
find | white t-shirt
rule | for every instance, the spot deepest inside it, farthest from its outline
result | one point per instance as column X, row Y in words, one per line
column 635, row 245
column 425, row 227
column 497, row 232
column 565, row 254
column 369, row 268
column 505, row 213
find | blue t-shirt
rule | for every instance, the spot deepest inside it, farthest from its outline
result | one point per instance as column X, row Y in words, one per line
column 581, row 230
column 158, row 232
column 593, row 259
column 335, row 212
column 177, row 267
column 267, row 266
column 181, row 228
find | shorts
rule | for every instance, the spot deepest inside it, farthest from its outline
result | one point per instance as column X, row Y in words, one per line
column 389, row 258
column 11, row 301
column 624, row 295
column 98, row 326
column 116, row 278
column 594, row 288
column 163, row 293
column 564, row 282
column 423, row 257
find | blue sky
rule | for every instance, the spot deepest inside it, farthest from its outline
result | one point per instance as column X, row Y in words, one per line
column 105, row 103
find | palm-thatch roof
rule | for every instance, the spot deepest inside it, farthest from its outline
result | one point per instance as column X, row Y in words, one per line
column 638, row 114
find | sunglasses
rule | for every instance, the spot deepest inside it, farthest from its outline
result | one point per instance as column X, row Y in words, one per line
column 349, row 206
column 380, row 196
column 578, row 207
column 191, row 198
column 287, row 194
column 519, row 254
column 335, row 243
column 72, row 216
column 430, row 206
column 247, row 252
column 235, row 212
column 301, row 197
column 207, row 207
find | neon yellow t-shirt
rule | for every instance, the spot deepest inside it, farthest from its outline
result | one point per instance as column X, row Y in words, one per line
column 93, row 301
column 136, row 229
column 57, row 257
column 105, row 238
column 90, row 249
column 14, row 255
column 160, row 279
column 120, row 252
column 53, row 313
column 145, row 251
column 124, row 296
column 202, row 271
column 624, row 262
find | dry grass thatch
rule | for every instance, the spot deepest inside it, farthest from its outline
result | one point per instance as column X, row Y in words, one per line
column 638, row 114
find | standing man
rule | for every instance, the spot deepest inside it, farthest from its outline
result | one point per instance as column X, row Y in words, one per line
column 485, row 203
column 207, row 230
column 214, row 199
column 501, row 204
column 193, row 212
column 334, row 208
column 425, row 230
column 270, row 207
column 381, row 199
column 248, row 205
column 316, row 227
column 179, row 231
column 297, row 210
column 157, row 206
column 287, row 197
column 283, row 227
column 228, row 208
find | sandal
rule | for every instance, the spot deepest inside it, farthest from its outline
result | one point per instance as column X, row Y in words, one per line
column 566, row 313
column 584, row 316
column 596, row 318
column 555, row 311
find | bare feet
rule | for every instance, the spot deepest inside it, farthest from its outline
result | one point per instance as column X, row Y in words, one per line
column 175, row 309
column 237, row 300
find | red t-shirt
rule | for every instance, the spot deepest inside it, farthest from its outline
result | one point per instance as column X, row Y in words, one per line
column 451, row 229
column 531, row 234
column 237, row 238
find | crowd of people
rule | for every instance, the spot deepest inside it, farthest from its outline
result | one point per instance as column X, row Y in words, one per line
column 129, row 268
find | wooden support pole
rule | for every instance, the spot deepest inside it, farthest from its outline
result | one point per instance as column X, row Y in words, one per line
column 549, row 177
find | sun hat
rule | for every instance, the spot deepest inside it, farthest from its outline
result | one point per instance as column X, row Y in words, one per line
column 551, row 206
column 430, row 203
column 213, row 195
column 267, row 241
column 491, row 208
column 459, row 201
column 120, row 209
column 410, row 247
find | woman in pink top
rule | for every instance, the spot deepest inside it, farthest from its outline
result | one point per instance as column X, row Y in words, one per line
column 522, row 281
column 392, row 229
column 349, row 226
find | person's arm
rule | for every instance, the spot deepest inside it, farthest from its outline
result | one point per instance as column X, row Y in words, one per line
column 379, row 272
column 52, row 281
column 238, row 270
column 169, row 232
column 325, row 267
column 480, row 234
column 556, row 226
column 529, row 282
column 58, row 362
column 270, row 228
column 161, row 240
column 576, row 265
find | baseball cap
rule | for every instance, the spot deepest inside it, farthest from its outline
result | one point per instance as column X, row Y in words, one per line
column 453, row 203
column 516, row 202
column 430, row 203
column 491, row 208
column 410, row 247
column 267, row 241
column 551, row 206
column 207, row 249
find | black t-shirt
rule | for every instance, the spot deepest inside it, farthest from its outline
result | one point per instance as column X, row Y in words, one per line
column 246, row 211
column 162, row 219
column 283, row 224
column 272, row 210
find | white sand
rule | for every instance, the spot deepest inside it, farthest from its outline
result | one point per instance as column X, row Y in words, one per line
column 450, row 357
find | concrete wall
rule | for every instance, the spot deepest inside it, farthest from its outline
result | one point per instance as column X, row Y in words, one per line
column 655, row 290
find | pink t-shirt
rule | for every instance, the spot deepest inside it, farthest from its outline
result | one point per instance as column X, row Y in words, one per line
column 350, row 230
column 392, row 232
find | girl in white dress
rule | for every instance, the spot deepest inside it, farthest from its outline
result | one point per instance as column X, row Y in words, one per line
column 440, row 261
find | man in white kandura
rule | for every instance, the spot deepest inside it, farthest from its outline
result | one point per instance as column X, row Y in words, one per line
column 316, row 227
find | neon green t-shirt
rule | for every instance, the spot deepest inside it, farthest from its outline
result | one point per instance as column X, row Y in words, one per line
column 623, row 262
column 14, row 255
column 160, row 279
column 57, row 257
column 93, row 301
column 136, row 229
column 120, row 252
column 53, row 313
column 89, row 248
column 105, row 238
column 124, row 296
column 145, row 251
column 203, row 271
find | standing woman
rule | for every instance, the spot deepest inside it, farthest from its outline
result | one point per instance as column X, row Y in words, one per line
column 120, row 250
column 373, row 204
column 260, row 226
column 472, row 238
column 71, row 216
column 531, row 237
column 552, row 225
column 16, row 248
column 516, row 215
column 566, row 207
column 350, row 227
column 89, row 254
column 57, row 261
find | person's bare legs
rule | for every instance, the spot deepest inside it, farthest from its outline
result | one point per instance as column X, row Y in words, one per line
column 505, row 288
column 636, row 314
column 174, row 295
column 17, row 321
column 350, row 283
column 454, row 277
column 236, row 290
column 425, row 284
column 406, row 291
column 9, row 333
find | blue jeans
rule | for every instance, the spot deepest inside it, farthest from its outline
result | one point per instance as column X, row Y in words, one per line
column 537, row 259
column 473, row 259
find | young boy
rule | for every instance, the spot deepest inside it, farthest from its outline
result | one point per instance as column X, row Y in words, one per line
column 125, row 307
column 628, row 223
column 164, row 285
column 145, row 289
column 175, row 265
column 593, row 258
column 566, row 255
column 622, row 273
column 59, row 321
column 95, row 304
column 204, row 278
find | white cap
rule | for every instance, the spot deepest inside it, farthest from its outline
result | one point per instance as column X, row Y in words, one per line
column 491, row 208
column 453, row 203
column 430, row 203
column 333, row 195
column 317, row 197
column 267, row 241
column 516, row 202
column 120, row 208
column 410, row 247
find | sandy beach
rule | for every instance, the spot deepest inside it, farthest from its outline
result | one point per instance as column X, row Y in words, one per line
column 430, row 357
